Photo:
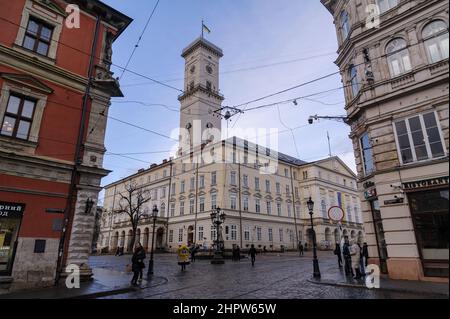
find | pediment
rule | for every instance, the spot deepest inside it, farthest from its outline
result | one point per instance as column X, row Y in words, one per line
column 201, row 193
column 233, row 190
column 191, row 196
column 246, row 193
column 213, row 191
column 257, row 195
column 28, row 81
column 268, row 197
column 278, row 199
column 182, row 197
column 52, row 6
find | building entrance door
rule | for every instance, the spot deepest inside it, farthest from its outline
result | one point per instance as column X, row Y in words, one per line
column 429, row 210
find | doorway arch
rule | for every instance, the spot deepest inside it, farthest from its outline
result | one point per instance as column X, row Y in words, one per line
column 190, row 236
column 160, row 238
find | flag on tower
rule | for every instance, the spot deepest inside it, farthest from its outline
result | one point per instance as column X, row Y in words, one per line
column 205, row 28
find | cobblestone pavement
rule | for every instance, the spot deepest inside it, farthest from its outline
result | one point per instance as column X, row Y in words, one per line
column 275, row 276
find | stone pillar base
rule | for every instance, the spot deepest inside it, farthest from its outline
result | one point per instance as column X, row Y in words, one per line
column 405, row 268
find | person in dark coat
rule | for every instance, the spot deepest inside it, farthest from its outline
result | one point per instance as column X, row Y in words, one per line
column 193, row 252
column 306, row 246
column 238, row 253
column 252, row 253
column 301, row 248
column 347, row 257
column 365, row 254
column 338, row 253
column 137, row 264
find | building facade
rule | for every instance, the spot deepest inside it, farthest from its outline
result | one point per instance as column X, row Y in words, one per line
column 393, row 57
column 262, row 192
column 56, row 85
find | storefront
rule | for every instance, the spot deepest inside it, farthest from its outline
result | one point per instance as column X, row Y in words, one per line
column 428, row 200
column 10, row 221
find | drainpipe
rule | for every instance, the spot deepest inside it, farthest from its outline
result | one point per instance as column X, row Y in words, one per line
column 168, row 202
column 70, row 207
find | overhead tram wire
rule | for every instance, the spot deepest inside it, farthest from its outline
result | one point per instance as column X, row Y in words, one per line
column 140, row 38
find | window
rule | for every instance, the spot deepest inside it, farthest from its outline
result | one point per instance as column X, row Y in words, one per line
column 39, row 246
column 213, row 178
column 258, row 233
column 280, row 231
column 192, row 183
column 286, row 172
column 202, row 181
column 297, row 211
column 278, row 188
column 233, row 202
column 279, row 209
column 267, row 186
column 183, row 167
column 323, row 208
column 289, row 209
column 202, row 204
column 246, row 233
column 367, row 154
column 191, row 206
column 38, row 37
column 435, row 35
column 233, row 232
column 213, row 201
column 165, row 173
column 18, row 117
column 163, row 192
column 180, row 235
column 181, row 208
column 200, row 233
column 398, row 57
column 257, row 183
column 345, row 25
column 349, row 214
column 353, row 80
column 296, row 193
column 233, row 178
column 295, row 175
column 257, row 205
column 386, row 5
column 288, row 190
column 305, row 175
column 245, row 180
column 182, row 186
column 269, row 207
column 357, row 219
column 270, row 231
column 163, row 210
column 246, row 203
column 171, row 236
column 173, row 188
column 172, row 209
column 419, row 138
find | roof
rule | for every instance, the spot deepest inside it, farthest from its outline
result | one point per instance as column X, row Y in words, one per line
column 262, row 149
column 202, row 42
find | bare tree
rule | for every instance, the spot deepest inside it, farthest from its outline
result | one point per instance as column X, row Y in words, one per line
column 131, row 203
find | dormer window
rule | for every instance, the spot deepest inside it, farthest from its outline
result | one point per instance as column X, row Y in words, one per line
column 38, row 37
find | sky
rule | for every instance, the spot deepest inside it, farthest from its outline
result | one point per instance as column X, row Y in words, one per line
column 268, row 45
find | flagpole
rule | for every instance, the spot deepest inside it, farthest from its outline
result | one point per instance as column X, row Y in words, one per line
column 202, row 27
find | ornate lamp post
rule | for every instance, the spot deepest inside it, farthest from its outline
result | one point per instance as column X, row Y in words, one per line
column 217, row 219
column 155, row 212
column 316, row 273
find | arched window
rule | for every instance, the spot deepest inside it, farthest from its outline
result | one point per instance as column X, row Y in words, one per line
column 386, row 5
column 398, row 57
column 435, row 35
column 353, row 80
column 345, row 25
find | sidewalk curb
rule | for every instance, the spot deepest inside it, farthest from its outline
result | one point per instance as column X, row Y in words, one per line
column 119, row 291
column 348, row 285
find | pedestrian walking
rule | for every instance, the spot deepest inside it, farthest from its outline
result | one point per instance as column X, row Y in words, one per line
column 347, row 256
column 338, row 253
column 183, row 256
column 301, row 248
column 193, row 252
column 137, row 262
column 362, row 268
column 365, row 253
column 306, row 246
column 238, row 253
column 252, row 253
column 355, row 252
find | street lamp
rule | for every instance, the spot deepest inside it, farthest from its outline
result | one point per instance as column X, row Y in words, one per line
column 217, row 219
column 316, row 273
column 150, row 263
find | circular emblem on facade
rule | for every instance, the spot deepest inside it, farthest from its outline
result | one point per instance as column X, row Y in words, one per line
column 336, row 213
column 209, row 69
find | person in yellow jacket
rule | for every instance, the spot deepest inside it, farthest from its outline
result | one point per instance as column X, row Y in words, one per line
column 183, row 256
